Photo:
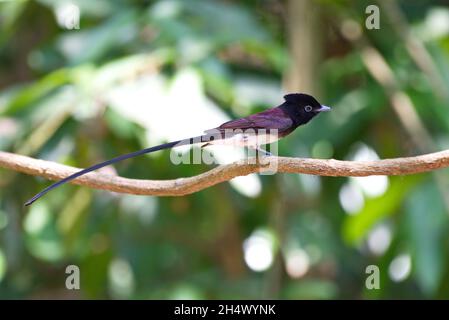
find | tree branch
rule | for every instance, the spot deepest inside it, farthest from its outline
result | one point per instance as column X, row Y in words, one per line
column 183, row 186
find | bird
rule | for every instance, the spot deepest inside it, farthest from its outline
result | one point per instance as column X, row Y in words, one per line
column 260, row 128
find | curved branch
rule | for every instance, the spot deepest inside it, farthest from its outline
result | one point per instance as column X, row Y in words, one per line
column 183, row 186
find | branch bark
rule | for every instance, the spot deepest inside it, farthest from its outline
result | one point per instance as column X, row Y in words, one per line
column 184, row 186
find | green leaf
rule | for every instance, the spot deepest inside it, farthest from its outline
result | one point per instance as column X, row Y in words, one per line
column 355, row 227
column 32, row 93
column 426, row 223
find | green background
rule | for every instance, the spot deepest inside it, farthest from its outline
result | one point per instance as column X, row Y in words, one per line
column 132, row 74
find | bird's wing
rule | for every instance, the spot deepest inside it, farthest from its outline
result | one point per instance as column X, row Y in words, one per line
column 269, row 119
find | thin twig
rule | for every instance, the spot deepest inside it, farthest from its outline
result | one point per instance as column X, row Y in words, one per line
column 183, row 186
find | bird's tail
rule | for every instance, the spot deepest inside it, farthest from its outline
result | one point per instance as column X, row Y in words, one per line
column 80, row 173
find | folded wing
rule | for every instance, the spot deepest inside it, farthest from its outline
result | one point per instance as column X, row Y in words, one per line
column 274, row 119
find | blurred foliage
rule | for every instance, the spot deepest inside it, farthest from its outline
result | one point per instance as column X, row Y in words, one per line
column 135, row 73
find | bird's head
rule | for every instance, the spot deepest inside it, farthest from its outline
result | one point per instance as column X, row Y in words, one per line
column 303, row 107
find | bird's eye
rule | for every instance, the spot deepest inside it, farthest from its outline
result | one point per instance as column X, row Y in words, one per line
column 308, row 108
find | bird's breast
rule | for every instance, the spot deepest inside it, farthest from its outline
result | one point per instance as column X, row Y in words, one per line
column 246, row 139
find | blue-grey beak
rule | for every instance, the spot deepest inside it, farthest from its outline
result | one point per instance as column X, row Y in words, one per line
column 324, row 109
